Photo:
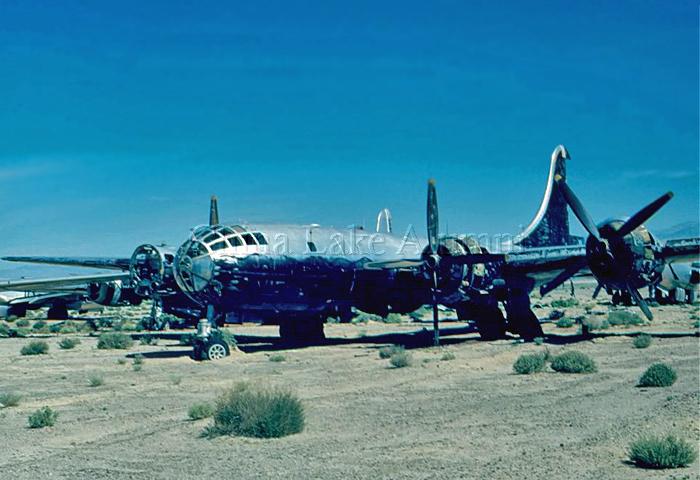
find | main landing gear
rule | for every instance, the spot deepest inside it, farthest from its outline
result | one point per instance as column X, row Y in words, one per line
column 209, row 343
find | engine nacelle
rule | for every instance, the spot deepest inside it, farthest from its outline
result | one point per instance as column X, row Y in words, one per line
column 151, row 269
column 632, row 260
column 112, row 294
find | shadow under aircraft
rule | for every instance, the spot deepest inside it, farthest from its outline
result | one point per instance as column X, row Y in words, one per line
column 297, row 276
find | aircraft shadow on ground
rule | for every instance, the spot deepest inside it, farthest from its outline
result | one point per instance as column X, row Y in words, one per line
column 410, row 340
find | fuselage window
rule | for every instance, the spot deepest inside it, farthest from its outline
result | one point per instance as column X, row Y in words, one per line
column 235, row 241
column 260, row 238
column 248, row 239
column 219, row 245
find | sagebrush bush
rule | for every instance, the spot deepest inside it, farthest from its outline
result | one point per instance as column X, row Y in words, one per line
column 149, row 340
column 596, row 323
column 277, row 357
column 564, row 303
column 662, row 452
column 23, row 323
column 5, row 330
column 529, row 363
column 556, row 314
column 44, row 417
column 389, row 350
column 68, row 343
column 573, row 362
column 114, row 340
column 137, row 363
column 624, row 317
column 96, row 380
column 9, row 399
column 642, row 341
column 401, row 359
column 565, row 322
column 253, row 411
column 36, row 347
column 40, row 326
column 199, row 411
column 658, row 375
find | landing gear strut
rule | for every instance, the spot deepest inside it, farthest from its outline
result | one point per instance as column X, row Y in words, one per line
column 521, row 319
column 209, row 342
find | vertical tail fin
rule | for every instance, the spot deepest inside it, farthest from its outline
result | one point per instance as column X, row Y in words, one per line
column 550, row 227
column 214, row 211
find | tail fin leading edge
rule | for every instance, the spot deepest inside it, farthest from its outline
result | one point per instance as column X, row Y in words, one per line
column 550, row 227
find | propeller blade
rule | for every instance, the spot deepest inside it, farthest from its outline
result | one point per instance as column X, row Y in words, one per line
column 597, row 291
column 436, row 312
column 644, row 214
column 641, row 302
column 569, row 272
column 214, row 211
column 472, row 259
column 579, row 210
column 432, row 217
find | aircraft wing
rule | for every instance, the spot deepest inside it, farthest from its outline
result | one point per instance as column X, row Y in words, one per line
column 682, row 250
column 544, row 264
column 51, row 284
column 92, row 262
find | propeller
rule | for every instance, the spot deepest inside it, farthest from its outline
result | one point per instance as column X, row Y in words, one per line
column 434, row 260
column 605, row 249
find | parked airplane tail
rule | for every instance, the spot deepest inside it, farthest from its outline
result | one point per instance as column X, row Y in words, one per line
column 550, row 227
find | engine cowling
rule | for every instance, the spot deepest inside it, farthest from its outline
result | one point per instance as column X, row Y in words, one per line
column 151, row 269
column 632, row 260
column 112, row 294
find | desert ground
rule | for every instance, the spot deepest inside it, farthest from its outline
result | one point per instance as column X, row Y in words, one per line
column 470, row 417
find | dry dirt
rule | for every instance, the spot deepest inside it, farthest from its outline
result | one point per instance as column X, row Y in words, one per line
column 470, row 417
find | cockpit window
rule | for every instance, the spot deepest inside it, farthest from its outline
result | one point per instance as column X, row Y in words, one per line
column 211, row 238
column 219, row 245
column 235, row 241
column 226, row 231
column 248, row 239
column 260, row 238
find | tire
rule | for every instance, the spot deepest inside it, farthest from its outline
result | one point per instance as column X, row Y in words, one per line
column 490, row 323
column 216, row 350
column 57, row 312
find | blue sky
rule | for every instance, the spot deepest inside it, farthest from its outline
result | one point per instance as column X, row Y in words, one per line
column 119, row 121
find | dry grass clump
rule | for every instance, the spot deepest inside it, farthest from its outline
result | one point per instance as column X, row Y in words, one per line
column 658, row 375
column 96, row 380
column 277, row 357
column 199, row 411
column 573, row 362
column 37, row 347
column 9, row 399
column 254, row 411
column 68, row 343
column 401, row 359
column 389, row 350
column 662, row 452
